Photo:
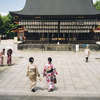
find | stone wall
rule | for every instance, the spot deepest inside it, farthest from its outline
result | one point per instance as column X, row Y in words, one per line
column 55, row 47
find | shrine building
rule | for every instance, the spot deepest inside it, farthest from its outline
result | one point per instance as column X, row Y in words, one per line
column 63, row 21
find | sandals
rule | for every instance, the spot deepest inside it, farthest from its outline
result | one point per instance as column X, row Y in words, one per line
column 51, row 90
column 33, row 90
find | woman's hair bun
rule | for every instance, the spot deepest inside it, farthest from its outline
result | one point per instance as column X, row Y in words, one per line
column 50, row 59
column 31, row 59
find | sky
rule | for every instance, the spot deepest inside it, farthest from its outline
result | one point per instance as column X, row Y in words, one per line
column 13, row 5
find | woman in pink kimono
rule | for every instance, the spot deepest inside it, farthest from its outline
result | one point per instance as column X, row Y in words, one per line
column 9, row 53
column 2, row 53
column 50, row 72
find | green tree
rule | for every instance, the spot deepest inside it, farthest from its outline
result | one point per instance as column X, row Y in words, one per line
column 7, row 26
column 1, row 24
column 97, row 5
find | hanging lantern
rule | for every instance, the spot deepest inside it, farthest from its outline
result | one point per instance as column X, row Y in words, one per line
column 35, row 23
column 67, row 27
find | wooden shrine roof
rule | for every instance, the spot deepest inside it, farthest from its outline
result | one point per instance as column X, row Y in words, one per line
column 57, row 8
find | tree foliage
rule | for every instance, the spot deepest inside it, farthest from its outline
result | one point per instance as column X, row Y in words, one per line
column 7, row 26
column 97, row 5
column 1, row 23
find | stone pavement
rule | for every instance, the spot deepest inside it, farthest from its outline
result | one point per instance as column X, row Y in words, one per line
column 75, row 78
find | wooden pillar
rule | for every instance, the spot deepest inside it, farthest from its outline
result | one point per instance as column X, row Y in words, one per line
column 68, row 37
column 58, row 29
column 63, row 35
column 73, row 35
column 18, row 34
column 42, row 35
column 39, row 36
column 52, row 35
column 48, row 37
column 23, row 31
column 93, row 36
column 81, row 35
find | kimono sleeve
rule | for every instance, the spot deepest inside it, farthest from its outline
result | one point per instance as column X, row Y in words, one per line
column 37, row 71
column 89, row 51
column 44, row 71
column 54, row 70
column 27, row 70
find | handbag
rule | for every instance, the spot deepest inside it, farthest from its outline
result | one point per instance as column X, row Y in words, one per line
column 54, row 80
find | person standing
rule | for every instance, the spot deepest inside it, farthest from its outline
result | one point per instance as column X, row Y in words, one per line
column 87, row 53
column 2, row 53
column 9, row 56
column 32, row 72
column 49, row 72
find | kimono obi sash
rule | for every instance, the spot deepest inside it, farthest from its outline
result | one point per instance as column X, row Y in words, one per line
column 49, row 68
column 32, row 69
